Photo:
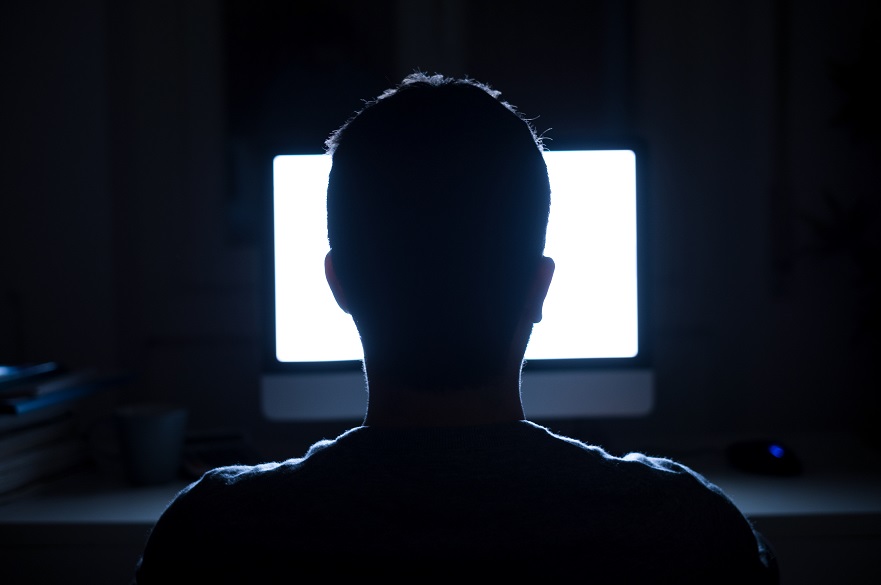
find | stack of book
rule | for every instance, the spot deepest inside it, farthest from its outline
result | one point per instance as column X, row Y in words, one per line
column 40, row 432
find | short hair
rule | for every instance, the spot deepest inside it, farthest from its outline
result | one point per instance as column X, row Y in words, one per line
column 437, row 209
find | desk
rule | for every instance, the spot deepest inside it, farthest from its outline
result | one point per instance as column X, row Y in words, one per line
column 824, row 528
column 87, row 528
column 825, row 524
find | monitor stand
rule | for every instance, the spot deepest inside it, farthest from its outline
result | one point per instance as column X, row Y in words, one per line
column 323, row 396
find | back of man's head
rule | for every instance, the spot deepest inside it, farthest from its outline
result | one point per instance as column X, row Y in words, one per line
column 438, row 203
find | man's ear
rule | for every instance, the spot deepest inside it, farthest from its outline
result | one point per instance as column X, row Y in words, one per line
column 334, row 282
column 539, row 290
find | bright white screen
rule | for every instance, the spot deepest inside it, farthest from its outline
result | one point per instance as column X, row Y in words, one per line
column 591, row 308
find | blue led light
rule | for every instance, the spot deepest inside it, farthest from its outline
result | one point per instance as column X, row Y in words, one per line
column 776, row 451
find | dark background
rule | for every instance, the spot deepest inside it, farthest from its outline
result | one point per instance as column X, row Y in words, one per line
column 130, row 223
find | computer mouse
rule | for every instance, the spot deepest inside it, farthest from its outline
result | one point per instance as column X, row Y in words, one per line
column 764, row 456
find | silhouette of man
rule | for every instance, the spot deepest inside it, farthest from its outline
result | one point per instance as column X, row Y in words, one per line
column 438, row 201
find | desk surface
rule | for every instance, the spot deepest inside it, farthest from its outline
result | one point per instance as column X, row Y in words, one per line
column 90, row 498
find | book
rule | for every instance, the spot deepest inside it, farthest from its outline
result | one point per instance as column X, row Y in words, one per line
column 59, row 427
column 12, row 375
column 45, row 384
column 72, row 388
column 22, row 404
column 11, row 421
column 41, row 462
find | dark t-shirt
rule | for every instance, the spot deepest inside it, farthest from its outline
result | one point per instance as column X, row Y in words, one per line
column 512, row 499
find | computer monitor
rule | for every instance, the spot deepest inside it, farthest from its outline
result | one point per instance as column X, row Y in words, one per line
column 588, row 357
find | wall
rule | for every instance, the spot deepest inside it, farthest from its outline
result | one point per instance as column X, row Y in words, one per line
column 755, row 324
column 126, row 240
column 57, row 294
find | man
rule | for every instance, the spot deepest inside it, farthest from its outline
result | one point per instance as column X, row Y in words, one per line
column 438, row 201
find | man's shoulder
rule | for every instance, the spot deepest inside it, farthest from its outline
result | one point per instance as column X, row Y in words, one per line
column 236, row 481
column 507, row 488
column 221, row 492
column 657, row 508
column 637, row 470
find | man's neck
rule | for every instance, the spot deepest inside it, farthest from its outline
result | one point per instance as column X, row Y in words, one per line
column 391, row 404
